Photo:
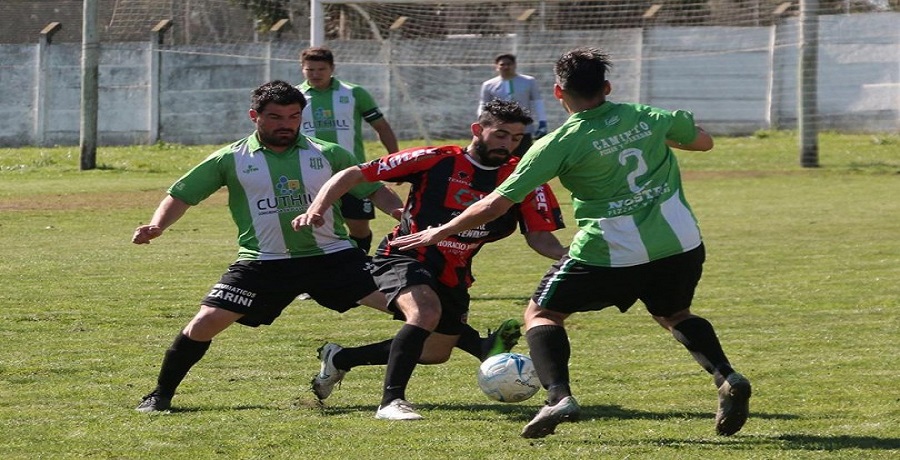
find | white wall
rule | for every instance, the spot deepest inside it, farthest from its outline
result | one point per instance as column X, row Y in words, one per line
column 736, row 79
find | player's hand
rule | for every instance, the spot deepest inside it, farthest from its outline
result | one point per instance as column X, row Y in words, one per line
column 307, row 220
column 426, row 237
column 541, row 130
column 145, row 233
column 397, row 213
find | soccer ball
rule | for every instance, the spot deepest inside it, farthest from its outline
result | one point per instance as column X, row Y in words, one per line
column 508, row 377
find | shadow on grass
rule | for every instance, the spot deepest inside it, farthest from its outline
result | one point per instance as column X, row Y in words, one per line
column 838, row 442
column 801, row 442
column 524, row 412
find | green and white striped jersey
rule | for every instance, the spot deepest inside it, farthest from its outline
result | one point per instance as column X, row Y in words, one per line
column 335, row 114
column 625, row 182
column 266, row 190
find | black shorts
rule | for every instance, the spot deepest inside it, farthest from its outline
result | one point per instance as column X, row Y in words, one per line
column 666, row 286
column 394, row 273
column 262, row 289
column 355, row 208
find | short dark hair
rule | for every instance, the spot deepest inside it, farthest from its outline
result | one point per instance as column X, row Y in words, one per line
column 278, row 92
column 582, row 71
column 500, row 57
column 498, row 111
column 317, row 53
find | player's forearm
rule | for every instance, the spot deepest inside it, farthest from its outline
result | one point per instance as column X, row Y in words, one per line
column 386, row 135
column 389, row 141
column 168, row 212
column 546, row 244
column 702, row 143
column 334, row 188
column 387, row 201
column 482, row 212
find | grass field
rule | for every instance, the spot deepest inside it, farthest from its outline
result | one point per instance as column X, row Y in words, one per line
column 802, row 283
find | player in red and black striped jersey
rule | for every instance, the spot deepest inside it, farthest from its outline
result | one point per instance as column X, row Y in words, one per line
column 428, row 287
column 445, row 181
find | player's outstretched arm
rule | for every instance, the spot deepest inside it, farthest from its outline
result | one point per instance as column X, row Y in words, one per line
column 331, row 191
column 483, row 211
column 702, row 143
column 168, row 212
column 387, row 200
column 546, row 244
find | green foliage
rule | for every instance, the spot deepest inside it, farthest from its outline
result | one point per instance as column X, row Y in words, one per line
column 801, row 283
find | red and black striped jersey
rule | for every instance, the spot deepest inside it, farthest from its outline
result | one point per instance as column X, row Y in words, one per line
column 444, row 181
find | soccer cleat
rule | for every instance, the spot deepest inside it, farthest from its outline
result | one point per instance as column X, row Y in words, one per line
column 502, row 340
column 544, row 423
column 153, row 402
column 323, row 383
column 734, row 404
column 398, row 409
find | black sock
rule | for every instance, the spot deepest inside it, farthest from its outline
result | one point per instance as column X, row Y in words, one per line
column 550, row 351
column 364, row 243
column 470, row 342
column 366, row 355
column 698, row 336
column 178, row 360
column 406, row 348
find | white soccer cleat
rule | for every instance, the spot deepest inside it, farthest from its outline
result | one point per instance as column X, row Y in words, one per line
column 398, row 409
column 544, row 423
column 329, row 376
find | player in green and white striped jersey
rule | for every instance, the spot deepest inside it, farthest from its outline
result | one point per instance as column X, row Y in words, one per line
column 271, row 176
column 334, row 112
column 637, row 238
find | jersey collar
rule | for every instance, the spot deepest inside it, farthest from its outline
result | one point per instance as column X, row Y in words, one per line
column 598, row 111
column 255, row 145
column 305, row 86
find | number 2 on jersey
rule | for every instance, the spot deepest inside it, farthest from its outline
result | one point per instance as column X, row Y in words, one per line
column 640, row 167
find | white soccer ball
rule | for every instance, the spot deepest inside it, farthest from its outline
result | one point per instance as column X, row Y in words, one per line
column 508, row 377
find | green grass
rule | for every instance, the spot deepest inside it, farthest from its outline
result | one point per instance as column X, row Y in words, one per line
column 802, row 283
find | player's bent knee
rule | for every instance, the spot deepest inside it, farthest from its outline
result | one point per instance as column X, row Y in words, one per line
column 208, row 322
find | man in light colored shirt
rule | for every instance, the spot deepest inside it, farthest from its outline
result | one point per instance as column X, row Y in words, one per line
column 512, row 86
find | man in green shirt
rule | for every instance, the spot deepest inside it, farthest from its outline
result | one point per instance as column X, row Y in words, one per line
column 271, row 176
column 638, row 238
column 334, row 112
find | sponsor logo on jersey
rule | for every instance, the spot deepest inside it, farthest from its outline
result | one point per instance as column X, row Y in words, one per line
column 250, row 169
column 639, row 200
column 290, row 197
column 323, row 119
column 618, row 142
column 390, row 162
column 462, row 179
column 458, row 245
column 473, row 233
column 540, row 199
column 467, row 197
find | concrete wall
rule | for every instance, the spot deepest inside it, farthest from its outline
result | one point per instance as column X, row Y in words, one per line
column 736, row 79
